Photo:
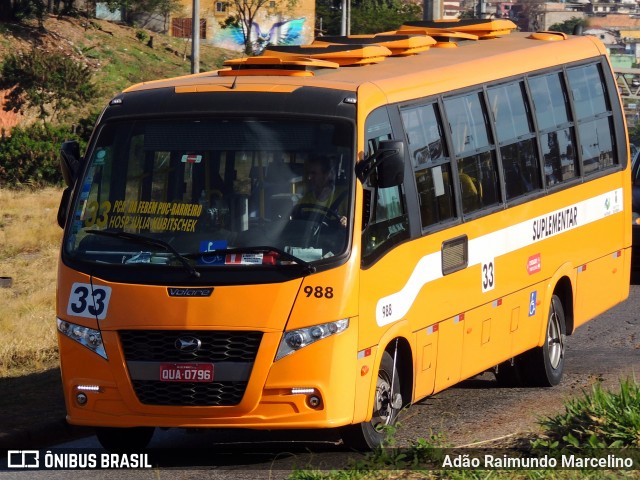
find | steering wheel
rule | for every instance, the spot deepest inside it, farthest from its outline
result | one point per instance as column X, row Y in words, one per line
column 311, row 211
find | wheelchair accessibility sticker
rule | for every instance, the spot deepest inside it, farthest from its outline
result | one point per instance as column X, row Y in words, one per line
column 532, row 303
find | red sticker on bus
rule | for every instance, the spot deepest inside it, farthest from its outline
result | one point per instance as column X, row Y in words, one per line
column 186, row 372
column 534, row 264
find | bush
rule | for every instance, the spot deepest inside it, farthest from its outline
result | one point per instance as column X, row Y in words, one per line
column 48, row 82
column 600, row 419
column 142, row 35
column 31, row 155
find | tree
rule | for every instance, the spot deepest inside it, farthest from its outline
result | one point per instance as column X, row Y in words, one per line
column 367, row 16
column 531, row 10
column 568, row 26
column 22, row 10
column 135, row 9
column 48, row 82
column 376, row 16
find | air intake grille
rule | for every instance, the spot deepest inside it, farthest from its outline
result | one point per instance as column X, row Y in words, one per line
column 218, row 347
column 216, row 394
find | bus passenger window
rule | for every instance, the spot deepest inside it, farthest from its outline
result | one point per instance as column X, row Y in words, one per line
column 594, row 118
column 596, row 144
column 431, row 163
column 477, row 171
column 588, row 91
column 515, row 136
column 478, row 181
column 557, row 137
column 467, row 123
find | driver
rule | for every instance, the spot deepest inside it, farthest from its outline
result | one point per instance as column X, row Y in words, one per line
column 320, row 173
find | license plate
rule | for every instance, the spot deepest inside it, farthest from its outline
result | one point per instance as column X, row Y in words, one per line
column 186, row 372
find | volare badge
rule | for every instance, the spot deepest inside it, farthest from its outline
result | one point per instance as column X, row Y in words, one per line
column 189, row 292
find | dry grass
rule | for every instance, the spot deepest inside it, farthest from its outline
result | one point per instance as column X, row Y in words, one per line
column 29, row 246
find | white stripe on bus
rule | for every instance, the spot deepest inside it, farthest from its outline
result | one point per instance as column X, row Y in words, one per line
column 495, row 244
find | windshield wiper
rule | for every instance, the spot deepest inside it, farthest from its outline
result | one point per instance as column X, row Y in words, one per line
column 149, row 241
column 307, row 267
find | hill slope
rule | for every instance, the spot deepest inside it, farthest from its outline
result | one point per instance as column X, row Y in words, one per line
column 118, row 55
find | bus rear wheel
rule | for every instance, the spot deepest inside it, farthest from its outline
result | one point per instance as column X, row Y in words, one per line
column 543, row 366
column 387, row 404
column 123, row 440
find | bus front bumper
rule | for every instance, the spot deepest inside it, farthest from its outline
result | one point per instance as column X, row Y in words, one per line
column 315, row 387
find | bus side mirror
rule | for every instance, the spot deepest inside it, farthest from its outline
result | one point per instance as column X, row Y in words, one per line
column 64, row 207
column 70, row 161
column 388, row 160
column 70, row 165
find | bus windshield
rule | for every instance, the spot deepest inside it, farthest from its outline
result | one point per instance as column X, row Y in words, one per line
column 214, row 193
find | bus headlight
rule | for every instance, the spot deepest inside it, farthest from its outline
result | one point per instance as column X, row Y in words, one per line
column 294, row 340
column 87, row 337
column 635, row 218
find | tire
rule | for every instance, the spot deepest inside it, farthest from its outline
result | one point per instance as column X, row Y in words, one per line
column 387, row 404
column 123, row 440
column 543, row 366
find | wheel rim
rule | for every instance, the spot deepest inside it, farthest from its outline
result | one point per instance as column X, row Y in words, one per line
column 383, row 410
column 555, row 343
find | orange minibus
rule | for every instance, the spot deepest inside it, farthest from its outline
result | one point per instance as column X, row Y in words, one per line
column 319, row 236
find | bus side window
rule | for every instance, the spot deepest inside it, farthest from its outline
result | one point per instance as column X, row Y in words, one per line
column 385, row 220
column 477, row 169
column 514, row 133
column 557, row 136
column 588, row 91
column 593, row 115
column 431, row 163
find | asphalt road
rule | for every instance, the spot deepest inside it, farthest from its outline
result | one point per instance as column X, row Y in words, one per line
column 472, row 413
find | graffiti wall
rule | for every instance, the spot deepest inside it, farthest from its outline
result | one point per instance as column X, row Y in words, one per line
column 269, row 31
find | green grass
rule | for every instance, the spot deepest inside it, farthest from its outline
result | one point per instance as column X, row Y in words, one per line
column 596, row 424
column 599, row 419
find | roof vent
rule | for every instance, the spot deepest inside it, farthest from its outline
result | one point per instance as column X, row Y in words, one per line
column 481, row 28
column 274, row 66
column 548, row 36
column 399, row 44
column 343, row 55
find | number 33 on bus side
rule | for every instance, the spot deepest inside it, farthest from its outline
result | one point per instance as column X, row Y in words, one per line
column 90, row 301
column 488, row 275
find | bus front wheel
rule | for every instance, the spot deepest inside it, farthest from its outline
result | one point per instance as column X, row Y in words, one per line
column 124, row 439
column 387, row 404
column 543, row 366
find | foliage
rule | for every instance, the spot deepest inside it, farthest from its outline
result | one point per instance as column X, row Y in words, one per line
column 142, row 35
column 568, row 26
column 532, row 10
column 366, row 16
column 466, row 14
column 48, row 82
column 601, row 419
column 136, row 9
column 634, row 134
column 424, row 453
column 382, row 15
column 23, row 10
column 122, row 60
column 30, row 155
